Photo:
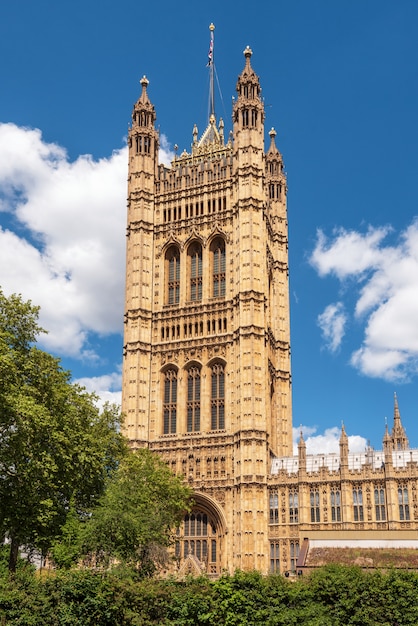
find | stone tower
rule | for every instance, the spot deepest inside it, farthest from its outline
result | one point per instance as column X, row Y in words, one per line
column 206, row 379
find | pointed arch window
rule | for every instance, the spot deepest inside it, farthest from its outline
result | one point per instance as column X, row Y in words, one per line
column 170, row 401
column 173, row 275
column 198, row 535
column 193, row 399
column 218, row 397
column 379, row 504
column 358, row 504
column 218, row 267
column 195, row 262
column 403, row 501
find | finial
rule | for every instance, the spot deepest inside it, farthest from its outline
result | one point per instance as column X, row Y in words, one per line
column 212, row 26
column 248, row 53
column 272, row 133
column 144, row 81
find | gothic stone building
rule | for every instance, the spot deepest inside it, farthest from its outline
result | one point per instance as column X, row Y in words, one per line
column 206, row 379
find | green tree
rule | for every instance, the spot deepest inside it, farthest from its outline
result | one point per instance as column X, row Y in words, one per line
column 134, row 521
column 56, row 447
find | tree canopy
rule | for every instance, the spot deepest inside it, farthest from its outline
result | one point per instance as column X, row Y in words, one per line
column 134, row 521
column 56, row 447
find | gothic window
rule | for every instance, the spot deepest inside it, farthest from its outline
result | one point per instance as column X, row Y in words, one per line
column 170, row 401
column 294, row 554
column 379, row 504
column 198, row 536
column 403, row 504
column 173, row 275
column 274, row 508
column 335, row 505
column 293, row 507
column 274, row 557
column 358, row 504
column 245, row 118
column 193, row 399
column 314, row 501
column 218, row 397
column 195, row 268
column 218, row 267
column 253, row 117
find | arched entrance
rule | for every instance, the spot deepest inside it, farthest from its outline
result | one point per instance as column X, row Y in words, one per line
column 200, row 536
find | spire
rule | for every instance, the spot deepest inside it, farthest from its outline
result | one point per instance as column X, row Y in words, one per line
column 143, row 113
column 144, row 82
column 248, row 109
column 302, row 452
column 343, row 448
column 399, row 438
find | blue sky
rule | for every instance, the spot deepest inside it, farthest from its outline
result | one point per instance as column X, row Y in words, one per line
column 340, row 86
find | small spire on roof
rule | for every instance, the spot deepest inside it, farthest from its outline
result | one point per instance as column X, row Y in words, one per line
column 144, row 82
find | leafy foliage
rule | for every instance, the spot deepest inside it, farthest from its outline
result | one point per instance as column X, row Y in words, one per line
column 134, row 520
column 55, row 445
column 84, row 598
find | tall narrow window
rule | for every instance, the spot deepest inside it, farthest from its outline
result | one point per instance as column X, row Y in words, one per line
column 218, row 397
column 274, row 508
column 358, row 505
column 193, row 399
column 173, row 275
column 170, row 401
column 294, row 554
column 218, row 265
column 195, row 255
column 403, row 504
column 314, row 500
column 293, row 507
column 379, row 504
column 274, row 557
column 335, row 505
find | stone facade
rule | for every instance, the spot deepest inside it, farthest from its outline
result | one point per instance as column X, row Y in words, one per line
column 206, row 378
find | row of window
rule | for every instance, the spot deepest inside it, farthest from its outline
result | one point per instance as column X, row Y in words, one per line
column 177, row 180
column 194, row 329
column 335, row 505
column 143, row 118
column 194, row 209
column 275, row 191
column 142, row 144
column 275, row 555
column 194, row 271
column 193, row 399
column 215, row 467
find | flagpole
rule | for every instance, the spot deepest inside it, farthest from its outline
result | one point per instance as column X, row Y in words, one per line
column 212, row 71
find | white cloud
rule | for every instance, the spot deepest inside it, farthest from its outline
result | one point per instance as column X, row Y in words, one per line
column 384, row 283
column 69, row 255
column 327, row 442
column 332, row 324
column 348, row 252
column 166, row 154
column 66, row 249
column 106, row 387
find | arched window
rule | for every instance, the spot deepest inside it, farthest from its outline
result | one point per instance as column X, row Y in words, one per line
column 193, row 399
column 198, row 536
column 195, row 262
column 218, row 267
column 218, row 397
column 173, row 275
column 170, row 401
